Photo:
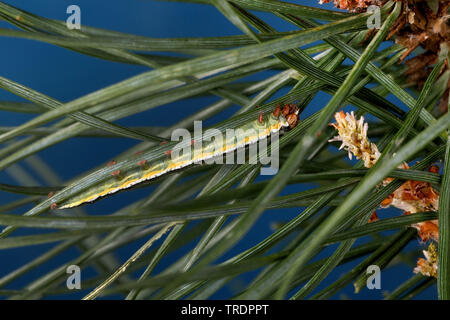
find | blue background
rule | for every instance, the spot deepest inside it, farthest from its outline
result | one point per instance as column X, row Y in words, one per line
column 66, row 75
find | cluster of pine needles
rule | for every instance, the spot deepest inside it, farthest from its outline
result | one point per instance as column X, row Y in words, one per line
column 204, row 211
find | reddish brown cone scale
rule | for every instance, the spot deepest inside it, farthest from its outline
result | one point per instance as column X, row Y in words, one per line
column 434, row 169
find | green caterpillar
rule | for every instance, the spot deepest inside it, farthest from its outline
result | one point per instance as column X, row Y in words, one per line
column 251, row 132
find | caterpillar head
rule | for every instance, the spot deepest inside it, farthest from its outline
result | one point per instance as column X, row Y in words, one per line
column 289, row 115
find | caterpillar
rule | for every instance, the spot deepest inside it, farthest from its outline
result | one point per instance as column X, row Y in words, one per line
column 285, row 117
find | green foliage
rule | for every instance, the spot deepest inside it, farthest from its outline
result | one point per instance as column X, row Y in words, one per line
column 225, row 201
